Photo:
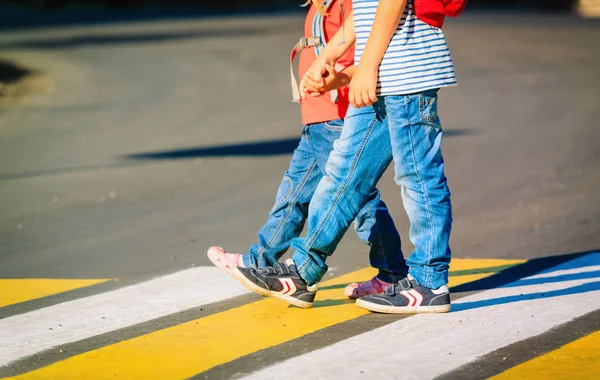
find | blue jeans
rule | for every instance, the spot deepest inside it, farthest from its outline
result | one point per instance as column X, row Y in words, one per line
column 374, row 225
column 405, row 128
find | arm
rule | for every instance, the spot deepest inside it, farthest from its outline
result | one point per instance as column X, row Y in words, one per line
column 336, row 47
column 386, row 21
column 340, row 43
column 332, row 81
column 363, row 85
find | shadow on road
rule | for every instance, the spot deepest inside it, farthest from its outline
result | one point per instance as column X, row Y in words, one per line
column 97, row 39
column 585, row 263
column 250, row 149
column 259, row 148
column 11, row 73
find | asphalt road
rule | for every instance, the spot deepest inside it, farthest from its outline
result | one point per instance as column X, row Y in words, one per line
column 162, row 139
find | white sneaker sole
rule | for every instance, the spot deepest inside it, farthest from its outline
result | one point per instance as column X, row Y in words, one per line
column 402, row 309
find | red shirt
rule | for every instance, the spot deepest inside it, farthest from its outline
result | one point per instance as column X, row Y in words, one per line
column 322, row 108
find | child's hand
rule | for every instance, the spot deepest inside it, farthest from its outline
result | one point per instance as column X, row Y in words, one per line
column 312, row 86
column 363, row 88
column 317, row 86
column 313, row 78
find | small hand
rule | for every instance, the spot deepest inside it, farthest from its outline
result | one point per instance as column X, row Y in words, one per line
column 363, row 88
column 331, row 81
column 313, row 78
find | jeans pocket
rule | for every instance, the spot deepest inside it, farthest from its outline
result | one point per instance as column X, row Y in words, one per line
column 283, row 193
column 428, row 105
column 334, row 125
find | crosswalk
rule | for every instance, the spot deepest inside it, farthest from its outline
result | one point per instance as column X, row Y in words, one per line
column 496, row 303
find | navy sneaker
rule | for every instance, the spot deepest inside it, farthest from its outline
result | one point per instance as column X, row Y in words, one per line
column 407, row 297
column 281, row 281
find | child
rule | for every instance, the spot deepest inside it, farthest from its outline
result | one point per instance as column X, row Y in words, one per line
column 323, row 119
column 401, row 63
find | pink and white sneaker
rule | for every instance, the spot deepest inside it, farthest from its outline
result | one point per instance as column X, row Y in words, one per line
column 373, row 286
column 223, row 260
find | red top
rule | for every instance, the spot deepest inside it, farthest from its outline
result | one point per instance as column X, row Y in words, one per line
column 322, row 108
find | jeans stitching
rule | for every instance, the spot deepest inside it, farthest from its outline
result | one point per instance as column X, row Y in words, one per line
column 289, row 208
column 333, row 128
column 287, row 194
column 341, row 189
column 426, row 200
column 423, row 104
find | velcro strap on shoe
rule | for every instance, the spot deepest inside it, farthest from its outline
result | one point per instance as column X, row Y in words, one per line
column 267, row 271
column 281, row 268
column 390, row 290
column 403, row 285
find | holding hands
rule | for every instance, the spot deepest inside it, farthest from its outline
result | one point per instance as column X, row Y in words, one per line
column 323, row 77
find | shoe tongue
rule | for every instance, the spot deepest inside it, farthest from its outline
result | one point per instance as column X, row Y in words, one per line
column 289, row 262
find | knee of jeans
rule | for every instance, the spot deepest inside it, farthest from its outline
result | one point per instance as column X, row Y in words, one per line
column 363, row 230
column 283, row 193
column 424, row 173
column 364, row 225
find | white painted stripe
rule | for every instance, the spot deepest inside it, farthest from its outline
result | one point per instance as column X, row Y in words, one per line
column 593, row 268
column 26, row 334
column 436, row 344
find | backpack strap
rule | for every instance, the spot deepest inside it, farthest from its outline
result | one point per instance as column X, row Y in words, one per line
column 302, row 44
column 318, row 42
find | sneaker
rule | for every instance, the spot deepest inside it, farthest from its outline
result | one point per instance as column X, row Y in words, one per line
column 223, row 260
column 407, row 297
column 373, row 286
column 280, row 281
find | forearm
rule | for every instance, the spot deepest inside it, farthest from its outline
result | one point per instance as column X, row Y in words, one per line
column 340, row 43
column 386, row 21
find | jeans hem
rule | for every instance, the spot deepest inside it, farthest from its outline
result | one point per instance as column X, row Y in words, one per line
column 309, row 276
column 249, row 260
column 428, row 278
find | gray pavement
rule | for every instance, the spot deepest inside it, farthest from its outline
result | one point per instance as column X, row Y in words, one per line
column 162, row 139
column 522, row 145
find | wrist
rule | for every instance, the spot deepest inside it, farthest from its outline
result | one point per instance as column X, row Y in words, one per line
column 370, row 67
column 329, row 56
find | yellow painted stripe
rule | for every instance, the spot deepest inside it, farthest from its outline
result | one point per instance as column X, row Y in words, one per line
column 14, row 291
column 466, row 264
column 185, row 350
column 578, row 360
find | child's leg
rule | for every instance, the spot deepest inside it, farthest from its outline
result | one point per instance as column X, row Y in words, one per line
column 287, row 217
column 374, row 224
column 416, row 136
column 357, row 162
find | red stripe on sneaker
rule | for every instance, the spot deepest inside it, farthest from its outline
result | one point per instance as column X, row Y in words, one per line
column 286, row 287
column 418, row 297
column 289, row 287
column 410, row 297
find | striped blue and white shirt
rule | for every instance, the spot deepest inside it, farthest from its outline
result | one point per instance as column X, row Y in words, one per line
column 417, row 58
